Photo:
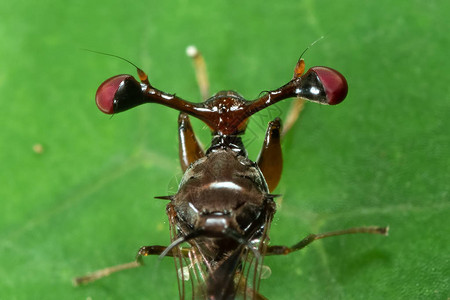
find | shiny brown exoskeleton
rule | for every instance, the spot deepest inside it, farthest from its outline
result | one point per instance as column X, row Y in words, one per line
column 224, row 206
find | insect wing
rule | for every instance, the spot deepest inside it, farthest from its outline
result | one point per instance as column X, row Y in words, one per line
column 195, row 273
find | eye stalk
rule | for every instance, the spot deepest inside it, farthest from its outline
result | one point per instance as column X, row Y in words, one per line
column 225, row 115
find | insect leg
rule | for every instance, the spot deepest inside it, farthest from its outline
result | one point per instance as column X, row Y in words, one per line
column 270, row 159
column 104, row 272
column 158, row 250
column 200, row 70
column 143, row 251
column 293, row 114
column 283, row 250
column 190, row 149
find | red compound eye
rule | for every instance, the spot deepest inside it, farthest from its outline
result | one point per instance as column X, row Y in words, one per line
column 118, row 93
column 334, row 84
column 106, row 93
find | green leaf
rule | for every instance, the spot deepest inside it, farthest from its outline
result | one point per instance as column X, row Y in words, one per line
column 77, row 186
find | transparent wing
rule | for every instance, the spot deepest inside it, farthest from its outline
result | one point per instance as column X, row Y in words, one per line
column 197, row 275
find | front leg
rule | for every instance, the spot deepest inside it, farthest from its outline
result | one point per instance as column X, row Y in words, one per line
column 190, row 149
column 270, row 159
